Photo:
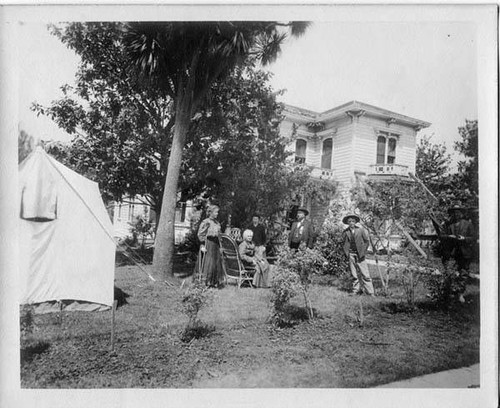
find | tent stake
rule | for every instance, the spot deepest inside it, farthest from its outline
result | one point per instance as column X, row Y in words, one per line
column 60, row 312
column 115, row 302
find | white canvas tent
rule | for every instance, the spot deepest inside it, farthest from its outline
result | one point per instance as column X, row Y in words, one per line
column 66, row 245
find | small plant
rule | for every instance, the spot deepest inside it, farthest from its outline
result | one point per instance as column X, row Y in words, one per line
column 196, row 297
column 140, row 230
column 409, row 267
column 285, row 285
column 446, row 285
column 291, row 278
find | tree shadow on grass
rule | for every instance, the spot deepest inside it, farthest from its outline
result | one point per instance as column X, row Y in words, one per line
column 29, row 351
column 292, row 315
column 470, row 306
column 196, row 331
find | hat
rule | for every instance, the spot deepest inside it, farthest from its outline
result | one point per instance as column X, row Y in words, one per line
column 456, row 207
column 303, row 210
column 356, row 217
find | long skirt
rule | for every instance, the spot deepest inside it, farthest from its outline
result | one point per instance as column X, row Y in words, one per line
column 261, row 276
column 210, row 264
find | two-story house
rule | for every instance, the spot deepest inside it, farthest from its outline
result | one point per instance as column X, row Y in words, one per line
column 352, row 140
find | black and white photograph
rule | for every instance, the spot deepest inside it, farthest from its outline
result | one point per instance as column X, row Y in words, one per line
column 249, row 205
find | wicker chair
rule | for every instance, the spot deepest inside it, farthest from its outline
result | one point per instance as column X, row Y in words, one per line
column 235, row 234
column 233, row 265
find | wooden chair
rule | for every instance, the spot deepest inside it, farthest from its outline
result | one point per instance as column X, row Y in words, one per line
column 233, row 265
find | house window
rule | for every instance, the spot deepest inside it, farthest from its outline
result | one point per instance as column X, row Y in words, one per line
column 391, row 151
column 386, row 148
column 326, row 156
column 381, row 150
column 300, row 151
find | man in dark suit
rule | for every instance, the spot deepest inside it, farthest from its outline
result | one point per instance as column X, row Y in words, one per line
column 302, row 232
column 356, row 241
column 259, row 235
column 461, row 232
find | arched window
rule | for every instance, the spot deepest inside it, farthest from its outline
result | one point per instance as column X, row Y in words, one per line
column 381, row 150
column 326, row 155
column 300, row 151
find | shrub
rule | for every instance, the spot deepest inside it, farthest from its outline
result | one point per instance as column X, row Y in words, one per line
column 292, row 276
column 446, row 285
column 285, row 285
column 191, row 243
column 409, row 267
column 196, row 297
column 140, row 230
column 330, row 243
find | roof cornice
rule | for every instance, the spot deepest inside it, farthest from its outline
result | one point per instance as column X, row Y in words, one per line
column 305, row 116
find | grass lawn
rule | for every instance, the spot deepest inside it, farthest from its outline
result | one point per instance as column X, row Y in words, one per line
column 335, row 350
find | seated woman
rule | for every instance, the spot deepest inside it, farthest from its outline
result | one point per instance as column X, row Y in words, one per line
column 251, row 257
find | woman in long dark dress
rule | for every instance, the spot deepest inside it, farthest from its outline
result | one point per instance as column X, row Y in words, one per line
column 209, row 257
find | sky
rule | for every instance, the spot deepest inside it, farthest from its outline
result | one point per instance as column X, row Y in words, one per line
column 426, row 70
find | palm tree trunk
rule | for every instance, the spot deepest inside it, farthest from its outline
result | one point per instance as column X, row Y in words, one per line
column 165, row 234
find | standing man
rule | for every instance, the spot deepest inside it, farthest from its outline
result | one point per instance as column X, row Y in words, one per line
column 259, row 235
column 356, row 241
column 302, row 232
column 461, row 231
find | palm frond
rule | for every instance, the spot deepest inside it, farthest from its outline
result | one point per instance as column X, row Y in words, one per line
column 268, row 46
column 298, row 28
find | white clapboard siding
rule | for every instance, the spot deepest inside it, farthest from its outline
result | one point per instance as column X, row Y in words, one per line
column 342, row 154
column 406, row 149
column 365, row 146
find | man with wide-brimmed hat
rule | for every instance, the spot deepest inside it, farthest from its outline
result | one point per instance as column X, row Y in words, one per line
column 356, row 241
column 302, row 231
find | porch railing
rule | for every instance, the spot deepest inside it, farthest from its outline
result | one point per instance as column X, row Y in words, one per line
column 318, row 172
column 392, row 169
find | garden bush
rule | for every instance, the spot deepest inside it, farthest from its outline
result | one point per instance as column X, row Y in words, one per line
column 292, row 277
column 196, row 297
column 330, row 243
column 190, row 245
column 446, row 285
column 409, row 267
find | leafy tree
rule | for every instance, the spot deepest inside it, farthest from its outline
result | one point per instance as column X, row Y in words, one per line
column 388, row 206
column 183, row 60
column 432, row 165
column 121, row 141
column 432, row 168
column 468, row 146
column 243, row 166
column 119, row 124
